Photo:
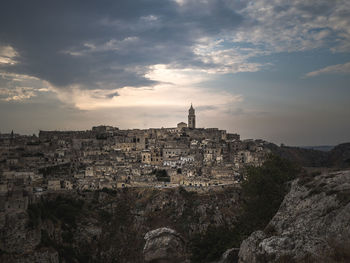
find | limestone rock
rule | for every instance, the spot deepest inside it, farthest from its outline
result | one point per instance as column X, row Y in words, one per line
column 15, row 236
column 164, row 245
column 312, row 224
column 229, row 256
column 248, row 249
column 40, row 256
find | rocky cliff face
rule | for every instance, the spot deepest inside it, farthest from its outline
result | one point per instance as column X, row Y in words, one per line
column 15, row 236
column 109, row 226
column 17, row 239
column 164, row 245
column 312, row 224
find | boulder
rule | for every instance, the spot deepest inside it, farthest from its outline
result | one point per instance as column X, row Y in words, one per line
column 164, row 245
column 229, row 256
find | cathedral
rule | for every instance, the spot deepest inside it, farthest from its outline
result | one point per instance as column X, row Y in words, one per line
column 191, row 120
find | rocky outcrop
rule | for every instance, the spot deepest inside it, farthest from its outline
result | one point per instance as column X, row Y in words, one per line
column 15, row 235
column 39, row 256
column 311, row 225
column 164, row 245
column 229, row 256
column 112, row 225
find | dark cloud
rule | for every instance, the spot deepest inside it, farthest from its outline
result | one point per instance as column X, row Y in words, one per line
column 50, row 36
column 112, row 95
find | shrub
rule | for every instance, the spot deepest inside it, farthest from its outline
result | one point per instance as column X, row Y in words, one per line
column 264, row 189
column 34, row 215
column 60, row 209
column 343, row 197
column 162, row 175
column 105, row 215
column 211, row 245
column 67, row 236
column 109, row 191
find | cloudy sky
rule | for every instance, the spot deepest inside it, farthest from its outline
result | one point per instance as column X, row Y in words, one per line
column 272, row 69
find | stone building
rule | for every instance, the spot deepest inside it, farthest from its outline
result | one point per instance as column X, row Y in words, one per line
column 181, row 125
column 191, row 118
column 152, row 156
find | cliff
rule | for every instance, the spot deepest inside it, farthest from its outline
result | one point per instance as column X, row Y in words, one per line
column 109, row 226
column 311, row 225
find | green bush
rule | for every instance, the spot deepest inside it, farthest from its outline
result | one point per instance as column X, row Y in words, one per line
column 210, row 246
column 46, row 241
column 263, row 191
column 109, row 191
column 67, row 236
column 60, row 209
column 105, row 215
column 162, row 175
column 34, row 215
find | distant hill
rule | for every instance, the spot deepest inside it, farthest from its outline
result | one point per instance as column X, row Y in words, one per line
column 338, row 156
column 302, row 156
column 323, row 148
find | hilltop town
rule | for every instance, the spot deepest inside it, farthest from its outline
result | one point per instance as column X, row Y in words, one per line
column 107, row 157
column 173, row 193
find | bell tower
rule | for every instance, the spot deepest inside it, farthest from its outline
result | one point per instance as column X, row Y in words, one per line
column 191, row 118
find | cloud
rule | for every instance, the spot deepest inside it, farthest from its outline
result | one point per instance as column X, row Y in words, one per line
column 110, row 45
column 281, row 25
column 8, row 55
column 17, row 94
column 334, row 69
column 101, row 46
column 176, row 88
column 20, row 87
column 222, row 60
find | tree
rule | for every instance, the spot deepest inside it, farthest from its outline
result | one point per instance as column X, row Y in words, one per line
column 264, row 189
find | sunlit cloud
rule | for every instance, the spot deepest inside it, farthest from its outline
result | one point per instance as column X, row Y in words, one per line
column 223, row 60
column 180, row 2
column 176, row 76
column 17, row 93
column 8, row 55
column 20, row 87
column 334, row 69
column 177, row 88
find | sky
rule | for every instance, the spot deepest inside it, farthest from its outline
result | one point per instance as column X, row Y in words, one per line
column 276, row 70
